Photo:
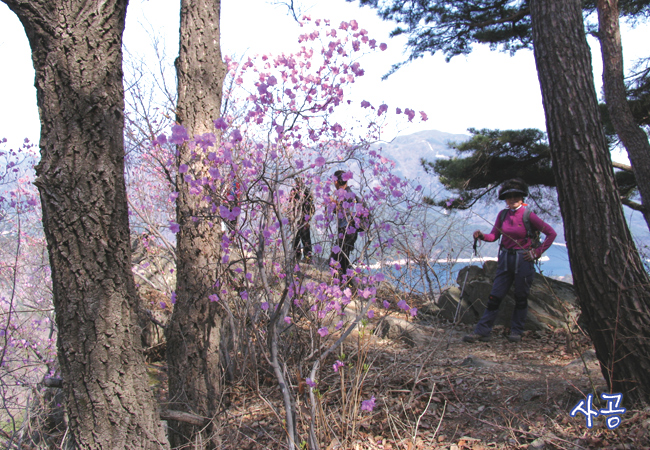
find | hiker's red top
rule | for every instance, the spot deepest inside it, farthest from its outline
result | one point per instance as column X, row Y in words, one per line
column 514, row 231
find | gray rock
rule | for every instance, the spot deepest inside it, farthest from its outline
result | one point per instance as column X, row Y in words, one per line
column 587, row 357
column 448, row 304
column 551, row 303
column 531, row 394
column 402, row 330
column 430, row 308
column 473, row 361
column 538, row 444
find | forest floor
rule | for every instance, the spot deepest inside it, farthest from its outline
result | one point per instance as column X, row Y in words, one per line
column 433, row 391
column 445, row 394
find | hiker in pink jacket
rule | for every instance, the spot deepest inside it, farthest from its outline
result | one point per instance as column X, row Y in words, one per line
column 518, row 251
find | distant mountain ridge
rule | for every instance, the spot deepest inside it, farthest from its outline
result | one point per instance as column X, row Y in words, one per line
column 407, row 151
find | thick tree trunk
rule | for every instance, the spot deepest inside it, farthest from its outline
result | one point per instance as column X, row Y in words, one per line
column 77, row 54
column 633, row 137
column 608, row 276
column 194, row 335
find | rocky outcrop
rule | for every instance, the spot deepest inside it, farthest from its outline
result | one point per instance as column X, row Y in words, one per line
column 551, row 303
column 408, row 332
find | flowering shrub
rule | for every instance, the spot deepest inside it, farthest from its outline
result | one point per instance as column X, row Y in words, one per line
column 282, row 120
column 27, row 330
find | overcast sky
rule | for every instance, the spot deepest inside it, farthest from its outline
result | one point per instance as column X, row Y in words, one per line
column 483, row 90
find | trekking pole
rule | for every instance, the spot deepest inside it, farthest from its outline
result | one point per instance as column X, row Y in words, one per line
column 462, row 291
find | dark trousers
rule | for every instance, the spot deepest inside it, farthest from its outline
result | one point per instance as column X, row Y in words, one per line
column 511, row 268
column 303, row 235
column 345, row 242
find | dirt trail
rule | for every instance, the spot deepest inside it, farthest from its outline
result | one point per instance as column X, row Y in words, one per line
column 467, row 396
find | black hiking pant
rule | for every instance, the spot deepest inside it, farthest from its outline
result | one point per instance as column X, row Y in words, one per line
column 303, row 235
column 345, row 242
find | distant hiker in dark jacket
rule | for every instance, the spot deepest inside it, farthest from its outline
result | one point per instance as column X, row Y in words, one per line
column 516, row 262
column 350, row 213
column 302, row 210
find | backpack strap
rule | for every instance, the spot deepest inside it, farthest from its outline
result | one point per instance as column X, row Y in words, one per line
column 529, row 231
column 531, row 234
column 502, row 217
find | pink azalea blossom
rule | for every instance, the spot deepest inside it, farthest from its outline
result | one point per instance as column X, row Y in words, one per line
column 409, row 113
column 236, row 136
column 368, row 405
column 179, row 135
column 323, row 331
column 220, row 124
column 160, row 140
column 229, row 214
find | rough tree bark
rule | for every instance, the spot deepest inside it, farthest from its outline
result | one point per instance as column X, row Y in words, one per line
column 77, row 54
column 608, row 275
column 194, row 335
column 633, row 137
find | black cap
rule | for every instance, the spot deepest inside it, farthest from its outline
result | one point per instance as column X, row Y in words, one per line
column 514, row 186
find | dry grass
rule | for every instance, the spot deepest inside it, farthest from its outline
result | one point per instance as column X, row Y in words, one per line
column 468, row 396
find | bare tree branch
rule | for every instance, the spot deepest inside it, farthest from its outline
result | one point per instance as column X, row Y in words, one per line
column 622, row 166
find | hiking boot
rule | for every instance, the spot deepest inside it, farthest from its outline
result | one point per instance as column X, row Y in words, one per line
column 514, row 337
column 475, row 337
